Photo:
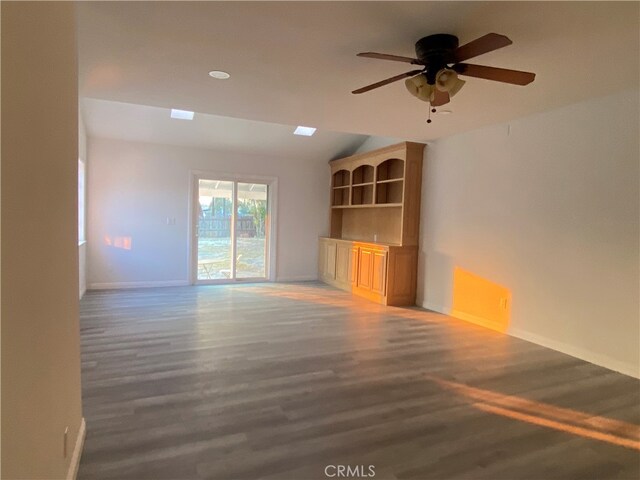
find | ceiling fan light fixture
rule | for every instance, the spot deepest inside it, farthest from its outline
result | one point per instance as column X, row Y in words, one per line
column 414, row 84
column 456, row 87
column 419, row 87
column 426, row 93
column 447, row 81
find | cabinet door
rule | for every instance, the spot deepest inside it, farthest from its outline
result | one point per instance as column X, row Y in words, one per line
column 331, row 260
column 379, row 272
column 327, row 260
column 322, row 259
column 353, row 266
column 364, row 268
column 343, row 251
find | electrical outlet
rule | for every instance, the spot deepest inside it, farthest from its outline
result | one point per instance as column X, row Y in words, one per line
column 503, row 303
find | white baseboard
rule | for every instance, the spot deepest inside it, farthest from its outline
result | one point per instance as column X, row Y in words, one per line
column 302, row 278
column 179, row 283
column 586, row 355
column 119, row 285
column 437, row 308
column 577, row 352
column 72, row 473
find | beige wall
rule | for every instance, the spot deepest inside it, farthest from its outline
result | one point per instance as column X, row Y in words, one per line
column 548, row 207
column 134, row 187
column 82, row 248
column 40, row 332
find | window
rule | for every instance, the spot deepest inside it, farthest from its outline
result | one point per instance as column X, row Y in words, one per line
column 81, row 201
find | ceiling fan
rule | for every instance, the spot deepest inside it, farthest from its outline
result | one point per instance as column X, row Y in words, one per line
column 441, row 61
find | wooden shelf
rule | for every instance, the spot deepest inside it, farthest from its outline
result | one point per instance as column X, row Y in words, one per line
column 370, row 205
column 341, row 178
column 390, row 169
column 340, row 196
column 389, row 192
column 388, row 179
column 362, row 194
column 361, row 184
column 363, row 173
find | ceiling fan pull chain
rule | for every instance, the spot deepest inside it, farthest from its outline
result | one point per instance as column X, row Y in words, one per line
column 429, row 115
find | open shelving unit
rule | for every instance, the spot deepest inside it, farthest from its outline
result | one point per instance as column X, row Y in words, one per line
column 377, row 181
column 368, row 185
column 372, row 250
column 390, row 182
column 340, row 188
column 363, row 175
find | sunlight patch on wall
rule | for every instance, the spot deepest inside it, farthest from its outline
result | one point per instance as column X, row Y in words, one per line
column 480, row 301
column 123, row 243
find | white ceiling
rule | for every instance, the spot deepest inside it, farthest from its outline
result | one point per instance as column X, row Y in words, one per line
column 154, row 125
column 294, row 62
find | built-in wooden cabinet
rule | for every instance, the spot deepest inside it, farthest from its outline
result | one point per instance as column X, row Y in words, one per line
column 383, row 273
column 375, row 215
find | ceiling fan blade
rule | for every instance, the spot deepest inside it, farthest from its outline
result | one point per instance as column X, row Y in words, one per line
column 395, row 58
column 505, row 75
column 440, row 98
column 387, row 81
column 484, row 44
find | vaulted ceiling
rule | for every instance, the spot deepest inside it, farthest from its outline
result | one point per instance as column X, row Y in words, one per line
column 294, row 63
column 142, row 123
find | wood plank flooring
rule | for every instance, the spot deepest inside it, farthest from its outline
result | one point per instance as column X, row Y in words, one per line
column 278, row 381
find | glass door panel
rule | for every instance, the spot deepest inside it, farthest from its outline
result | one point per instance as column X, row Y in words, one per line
column 251, row 231
column 215, row 229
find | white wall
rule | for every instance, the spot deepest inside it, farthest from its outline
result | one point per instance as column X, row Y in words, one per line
column 82, row 248
column 548, row 207
column 41, row 395
column 373, row 143
column 134, row 187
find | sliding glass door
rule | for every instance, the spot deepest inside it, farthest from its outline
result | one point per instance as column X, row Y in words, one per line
column 251, row 236
column 213, row 230
column 231, row 231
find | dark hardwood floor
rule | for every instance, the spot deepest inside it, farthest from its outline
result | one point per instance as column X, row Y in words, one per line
column 278, row 381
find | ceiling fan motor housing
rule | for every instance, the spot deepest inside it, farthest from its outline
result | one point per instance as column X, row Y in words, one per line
column 435, row 52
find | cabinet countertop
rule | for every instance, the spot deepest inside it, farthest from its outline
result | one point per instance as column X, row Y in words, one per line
column 362, row 242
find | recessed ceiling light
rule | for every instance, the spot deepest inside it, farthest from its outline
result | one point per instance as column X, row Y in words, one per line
column 181, row 114
column 306, row 131
column 444, row 112
column 219, row 74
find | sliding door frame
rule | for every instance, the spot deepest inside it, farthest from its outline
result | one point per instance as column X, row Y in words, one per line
column 271, row 234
